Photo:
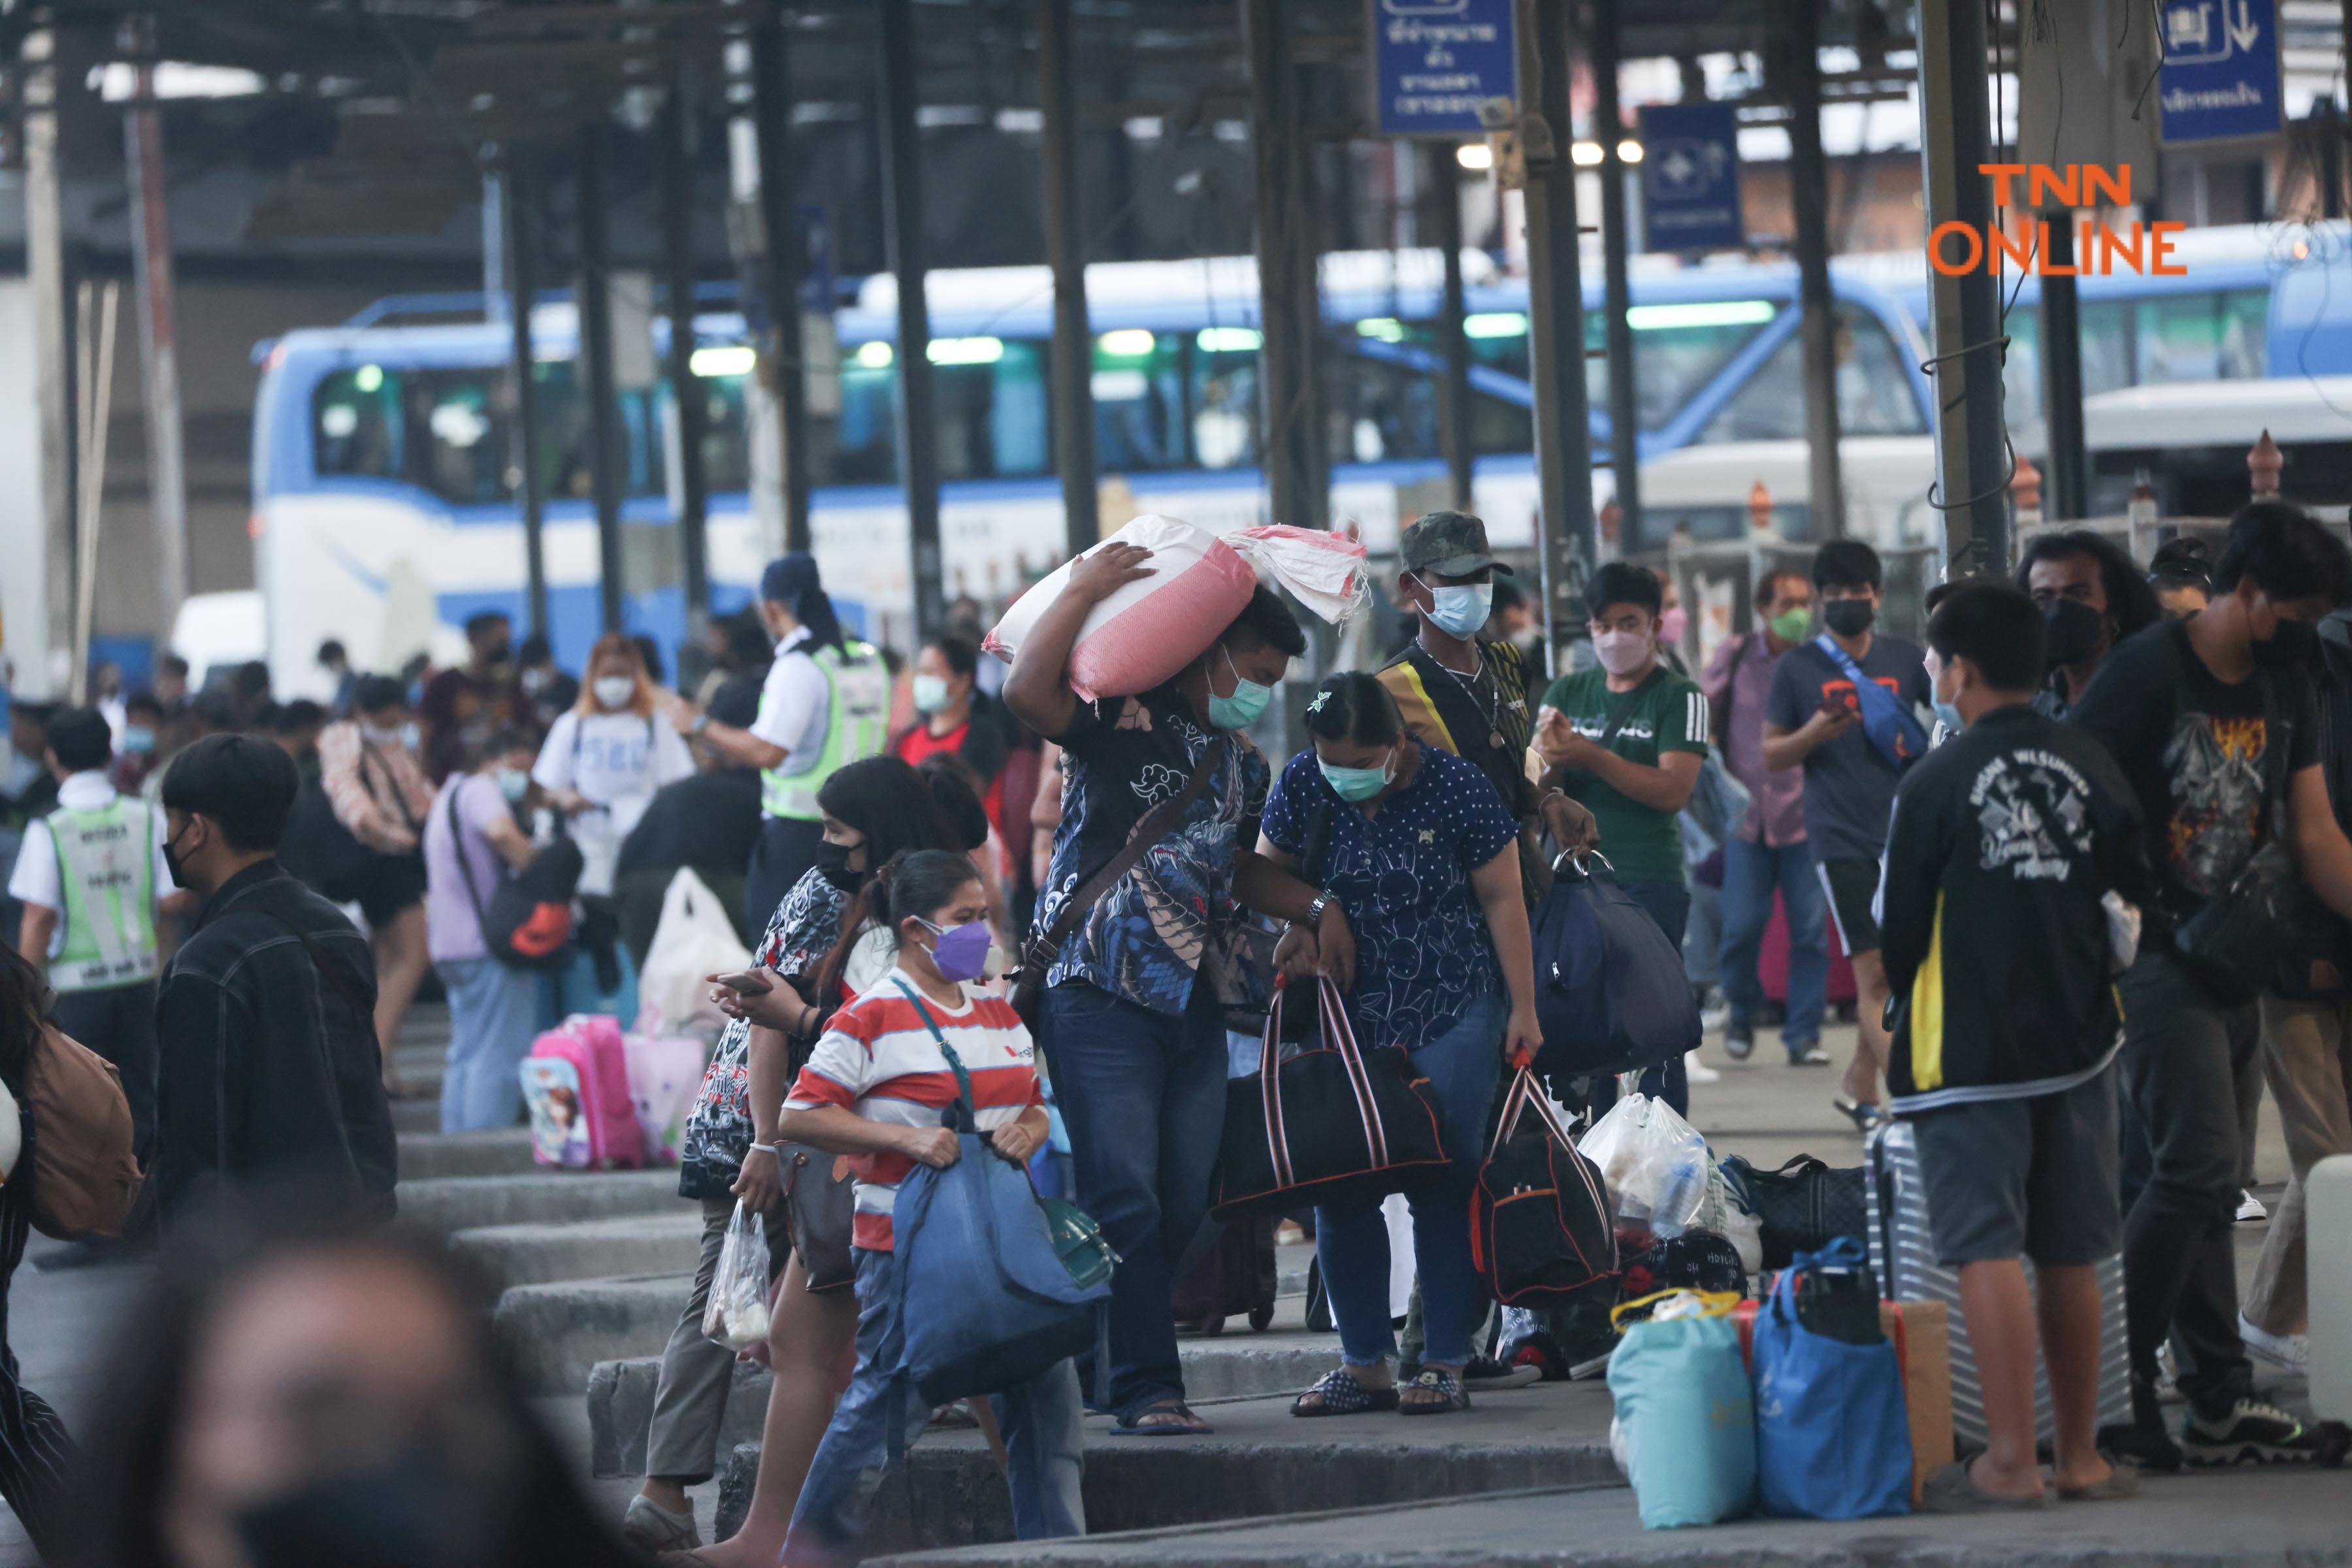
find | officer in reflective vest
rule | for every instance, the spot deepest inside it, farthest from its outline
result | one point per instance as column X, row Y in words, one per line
column 92, row 877
column 826, row 703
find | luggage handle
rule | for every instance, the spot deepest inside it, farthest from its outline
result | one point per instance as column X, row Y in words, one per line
column 1526, row 1091
column 1342, row 1038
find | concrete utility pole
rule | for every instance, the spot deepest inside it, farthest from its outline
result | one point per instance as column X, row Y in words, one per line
column 677, row 154
column 1454, row 426
column 518, row 189
column 1971, row 453
column 2067, row 461
column 1810, row 203
column 1071, row 386
column 44, row 616
column 771, row 113
column 159, row 350
column 1290, row 310
column 1624, row 402
column 605, row 438
column 1564, row 418
column 902, row 209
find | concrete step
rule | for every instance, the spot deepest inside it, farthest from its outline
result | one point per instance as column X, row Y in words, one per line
column 1238, row 1363
column 416, row 1115
column 464, row 1203
column 2233, row 1519
column 1261, row 1463
column 651, row 1244
column 430, row 1156
column 556, row 1333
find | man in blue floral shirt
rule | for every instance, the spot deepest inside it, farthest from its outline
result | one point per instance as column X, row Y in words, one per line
column 1131, row 1029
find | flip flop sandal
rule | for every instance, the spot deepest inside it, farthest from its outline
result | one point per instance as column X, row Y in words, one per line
column 1453, row 1395
column 1177, row 1421
column 1865, row 1118
column 1953, row 1490
column 2123, row 1481
column 1340, row 1394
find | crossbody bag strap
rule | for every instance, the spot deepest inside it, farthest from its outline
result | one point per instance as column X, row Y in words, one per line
column 1156, row 825
column 465, row 866
column 1625, row 714
column 964, row 1100
column 1719, row 713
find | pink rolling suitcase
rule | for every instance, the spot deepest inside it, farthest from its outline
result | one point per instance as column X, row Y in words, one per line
column 664, row 1075
column 601, row 1131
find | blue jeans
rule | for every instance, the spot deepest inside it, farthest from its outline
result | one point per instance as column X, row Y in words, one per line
column 1351, row 1239
column 1751, row 872
column 493, row 1018
column 1668, row 903
column 881, row 1412
column 1143, row 1096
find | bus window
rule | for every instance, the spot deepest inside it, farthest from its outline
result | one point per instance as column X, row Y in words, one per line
column 647, row 445
column 460, row 436
column 355, row 424
column 1224, row 398
column 2108, row 355
column 2215, row 336
column 1138, row 390
column 1677, row 350
column 1498, row 424
column 726, row 433
column 1874, row 396
column 865, row 440
column 991, row 394
column 1379, row 411
column 2021, row 368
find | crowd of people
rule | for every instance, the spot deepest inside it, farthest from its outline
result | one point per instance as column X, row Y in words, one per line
column 2028, row 836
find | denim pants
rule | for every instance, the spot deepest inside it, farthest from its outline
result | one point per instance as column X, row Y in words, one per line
column 1143, row 1096
column 1751, row 872
column 1351, row 1239
column 881, row 1412
column 2181, row 1055
column 1668, row 903
column 493, row 1018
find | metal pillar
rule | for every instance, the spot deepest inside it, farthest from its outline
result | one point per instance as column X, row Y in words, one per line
column 2327, row 132
column 497, row 295
column 902, row 210
column 1289, row 306
column 686, row 389
column 1808, row 199
column 47, row 273
column 1453, row 436
column 605, row 438
column 2066, row 464
column 1563, row 419
column 771, row 113
column 1624, row 406
column 518, row 188
column 1971, row 454
column 159, row 350
column 1071, row 385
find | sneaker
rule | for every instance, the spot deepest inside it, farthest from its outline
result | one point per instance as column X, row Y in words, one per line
column 1484, row 1373
column 1739, row 1040
column 2288, row 1353
column 653, row 1527
column 1808, row 1055
column 1697, row 1071
column 2250, row 1208
column 2251, row 1429
column 1716, row 1017
column 2143, row 1442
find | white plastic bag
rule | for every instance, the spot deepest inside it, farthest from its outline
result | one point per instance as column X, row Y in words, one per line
column 1323, row 571
column 694, row 937
column 736, row 1313
column 1654, row 1162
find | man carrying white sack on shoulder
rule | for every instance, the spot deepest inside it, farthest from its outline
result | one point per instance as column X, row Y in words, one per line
column 1132, row 1029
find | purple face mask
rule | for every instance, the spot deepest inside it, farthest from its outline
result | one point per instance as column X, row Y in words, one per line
column 962, row 951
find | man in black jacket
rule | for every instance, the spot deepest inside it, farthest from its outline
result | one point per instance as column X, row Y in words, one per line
column 266, row 1020
column 2005, row 844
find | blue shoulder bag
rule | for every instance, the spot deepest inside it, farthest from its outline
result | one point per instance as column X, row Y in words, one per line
column 1889, row 724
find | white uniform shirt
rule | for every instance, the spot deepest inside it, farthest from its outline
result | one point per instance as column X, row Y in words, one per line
column 35, row 879
column 797, row 704
column 618, row 761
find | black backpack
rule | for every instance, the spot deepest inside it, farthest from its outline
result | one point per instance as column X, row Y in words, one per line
column 527, row 922
column 1540, row 1232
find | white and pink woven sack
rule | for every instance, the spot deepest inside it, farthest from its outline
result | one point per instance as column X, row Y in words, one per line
column 1149, row 630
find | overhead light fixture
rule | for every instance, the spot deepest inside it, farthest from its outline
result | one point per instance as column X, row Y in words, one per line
column 1126, row 343
column 965, row 350
column 1387, row 328
column 1494, row 324
column 1701, row 313
column 1586, row 154
column 874, row 356
column 1228, row 340
column 368, row 377
column 1629, row 150
column 724, row 359
column 1475, row 156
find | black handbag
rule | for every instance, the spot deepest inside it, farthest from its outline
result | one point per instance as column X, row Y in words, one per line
column 1611, row 994
column 2232, row 944
column 1540, row 1231
column 820, row 1207
column 1802, row 1207
column 527, row 920
column 1325, row 1125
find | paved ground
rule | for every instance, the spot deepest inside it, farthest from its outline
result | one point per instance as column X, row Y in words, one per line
column 62, row 1324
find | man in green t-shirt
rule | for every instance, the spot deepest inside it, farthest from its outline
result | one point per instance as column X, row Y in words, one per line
column 1626, row 740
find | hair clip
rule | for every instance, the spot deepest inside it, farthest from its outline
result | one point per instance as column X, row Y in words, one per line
column 1320, row 699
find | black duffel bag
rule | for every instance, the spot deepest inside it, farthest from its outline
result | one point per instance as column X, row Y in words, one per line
column 1611, row 991
column 1327, row 1125
column 1803, row 1206
column 1540, row 1232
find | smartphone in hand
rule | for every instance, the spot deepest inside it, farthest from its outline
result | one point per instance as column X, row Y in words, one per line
column 746, row 983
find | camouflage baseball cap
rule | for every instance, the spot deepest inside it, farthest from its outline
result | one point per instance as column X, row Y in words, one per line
column 1450, row 543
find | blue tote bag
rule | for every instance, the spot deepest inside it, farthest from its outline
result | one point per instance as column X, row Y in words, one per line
column 1832, row 1438
column 986, row 1299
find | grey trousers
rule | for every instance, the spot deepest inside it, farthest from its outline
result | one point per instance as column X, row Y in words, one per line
column 690, row 1400
column 2307, row 1054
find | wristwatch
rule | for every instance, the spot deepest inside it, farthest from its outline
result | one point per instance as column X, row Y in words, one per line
column 1324, row 900
column 701, row 723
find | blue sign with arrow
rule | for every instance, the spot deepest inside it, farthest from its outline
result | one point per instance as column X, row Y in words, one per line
column 1690, row 177
column 2219, row 80
column 1434, row 62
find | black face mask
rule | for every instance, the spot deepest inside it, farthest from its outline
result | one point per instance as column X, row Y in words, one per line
column 2293, row 646
column 174, row 864
column 2071, row 631
column 415, row 1512
column 1849, row 618
column 832, row 865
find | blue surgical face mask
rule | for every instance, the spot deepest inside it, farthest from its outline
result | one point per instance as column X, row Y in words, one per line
column 1357, row 783
column 1239, row 711
column 1946, row 713
column 1460, row 610
column 137, row 738
column 514, row 783
column 931, row 693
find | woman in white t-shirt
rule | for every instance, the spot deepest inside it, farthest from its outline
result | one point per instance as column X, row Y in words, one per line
column 605, row 759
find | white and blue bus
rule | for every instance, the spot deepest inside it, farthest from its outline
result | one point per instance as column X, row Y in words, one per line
column 384, row 506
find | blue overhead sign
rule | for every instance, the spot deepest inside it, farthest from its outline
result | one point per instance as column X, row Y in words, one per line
column 1434, row 62
column 1690, row 177
column 2219, row 80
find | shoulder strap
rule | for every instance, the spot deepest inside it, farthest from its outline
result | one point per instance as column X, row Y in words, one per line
column 1718, row 714
column 1869, row 695
column 965, row 1103
column 1157, row 823
column 1632, row 699
column 465, row 866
